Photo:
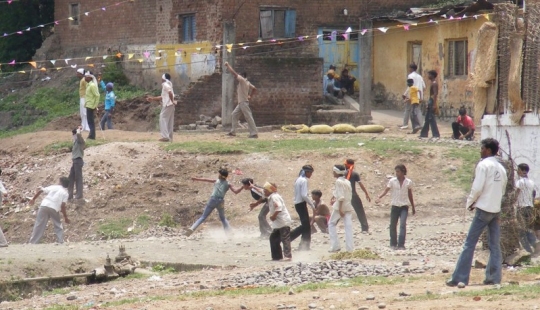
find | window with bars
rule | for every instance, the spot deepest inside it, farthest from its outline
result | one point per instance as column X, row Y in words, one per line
column 277, row 23
column 457, row 58
column 188, row 29
column 74, row 13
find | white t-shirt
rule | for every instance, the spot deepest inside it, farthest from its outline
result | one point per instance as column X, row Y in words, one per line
column 418, row 82
column 399, row 193
column 343, row 192
column 276, row 203
column 488, row 186
column 301, row 192
column 56, row 195
column 165, row 90
column 526, row 188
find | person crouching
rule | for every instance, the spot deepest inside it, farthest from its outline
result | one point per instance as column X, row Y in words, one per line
column 281, row 224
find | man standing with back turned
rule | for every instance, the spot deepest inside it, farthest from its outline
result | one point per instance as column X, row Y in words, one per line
column 486, row 194
column 245, row 91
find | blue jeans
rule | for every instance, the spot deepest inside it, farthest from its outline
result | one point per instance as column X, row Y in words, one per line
column 525, row 216
column 398, row 213
column 212, row 204
column 107, row 117
column 494, row 267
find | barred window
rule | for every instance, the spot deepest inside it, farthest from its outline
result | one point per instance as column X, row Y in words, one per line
column 457, row 58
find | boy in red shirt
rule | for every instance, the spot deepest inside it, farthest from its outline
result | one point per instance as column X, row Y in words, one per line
column 463, row 127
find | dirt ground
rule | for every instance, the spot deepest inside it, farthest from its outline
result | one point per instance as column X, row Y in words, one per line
column 128, row 175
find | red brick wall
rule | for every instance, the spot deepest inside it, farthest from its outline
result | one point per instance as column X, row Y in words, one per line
column 128, row 23
column 203, row 97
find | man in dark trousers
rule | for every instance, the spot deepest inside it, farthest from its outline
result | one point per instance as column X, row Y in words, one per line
column 356, row 202
column 432, row 108
column 301, row 200
column 75, row 174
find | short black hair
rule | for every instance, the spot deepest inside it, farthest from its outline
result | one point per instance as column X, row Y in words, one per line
column 224, row 172
column 522, row 167
column 316, row 192
column 74, row 131
column 491, row 144
column 402, row 168
column 247, row 181
column 332, row 67
column 64, row 181
column 168, row 76
column 340, row 167
column 462, row 111
column 244, row 74
column 413, row 66
column 410, row 81
column 433, row 73
column 350, row 161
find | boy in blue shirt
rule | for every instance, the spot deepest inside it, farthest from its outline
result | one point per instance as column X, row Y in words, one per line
column 110, row 101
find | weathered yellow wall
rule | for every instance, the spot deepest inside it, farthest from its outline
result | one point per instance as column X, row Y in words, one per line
column 390, row 58
column 185, row 63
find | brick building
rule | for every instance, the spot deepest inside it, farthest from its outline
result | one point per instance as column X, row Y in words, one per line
column 184, row 38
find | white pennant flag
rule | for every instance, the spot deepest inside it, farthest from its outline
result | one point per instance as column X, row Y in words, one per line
column 383, row 29
column 53, row 62
column 67, row 61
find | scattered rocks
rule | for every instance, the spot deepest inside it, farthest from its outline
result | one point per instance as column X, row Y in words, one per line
column 243, row 307
column 312, row 306
column 370, row 297
column 363, row 308
column 71, row 297
column 445, row 270
column 381, row 305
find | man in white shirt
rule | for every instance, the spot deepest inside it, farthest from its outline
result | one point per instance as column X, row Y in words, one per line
column 487, row 191
column 526, row 192
column 419, row 83
column 51, row 206
column 166, row 116
column 341, row 209
column 301, row 200
column 281, row 224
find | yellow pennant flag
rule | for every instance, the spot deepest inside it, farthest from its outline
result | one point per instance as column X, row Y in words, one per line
column 33, row 63
column 22, row 72
column 229, row 47
column 130, row 56
column 70, row 18
column 87, row 58
column 58, row 69
column 140, row 60
column 43, row 69
column 241, row 44
column 119, row 55
column 91, row 65
column 486, row 16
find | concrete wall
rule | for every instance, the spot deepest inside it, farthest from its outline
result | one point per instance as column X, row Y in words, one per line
column 524, row 139
column 391, row 60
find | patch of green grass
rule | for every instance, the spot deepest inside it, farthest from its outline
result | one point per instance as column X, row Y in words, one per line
column 55, row 147
column 531, row 270
column 518, row 291
column 167, row 221
column 327, row 144
column 118, row 228
column 163, row 269
column 129, row 301
column 357, row 254
column 62, row 307
column 463, row 176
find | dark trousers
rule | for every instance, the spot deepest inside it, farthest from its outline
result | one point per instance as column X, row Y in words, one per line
column 91, row 123
column 459, row 130
column 430, row 121
column 76, row 179
column 360, row 213
column 304, row 229
column 525, row 216
column 398, row 213
column 278, row 236
column 264, row 227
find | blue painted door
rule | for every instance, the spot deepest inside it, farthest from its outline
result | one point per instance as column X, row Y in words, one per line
column 339, row 49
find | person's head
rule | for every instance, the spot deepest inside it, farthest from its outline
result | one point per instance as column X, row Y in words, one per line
column 349, row 163
column 401, row 171
column 166, row 77
column 307, row 170
column 109, row 87
column 244, row 75
column 246, row 182
column 88, row 76
column 269, row 188
column 410, row 82
column 462, row 111
column 223, row 173
column 64, row 182
column 98, row 76
column 489, row 147
column 316, row 194
column 332, row 67
column 523, row 170
column 432, row 75
column 413, row 67
column 345, row 72
column 80, row 73
column 330, row 76
column 339, row 171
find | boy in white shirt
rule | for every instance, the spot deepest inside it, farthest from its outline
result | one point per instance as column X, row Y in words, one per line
column 526, row 193
column 281, row 224
column 51, row 207
column 402, row 195
column 3, row 191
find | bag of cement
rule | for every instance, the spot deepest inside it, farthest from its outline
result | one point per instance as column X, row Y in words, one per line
column 344, row 128
column 370, row 129
column 321, row 129
column 296, row 128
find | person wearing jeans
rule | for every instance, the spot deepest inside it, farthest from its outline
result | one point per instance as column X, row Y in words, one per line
column 486, row 195
column 216, row 201
column 432, row 108
column 402, row 195
column 110, row 100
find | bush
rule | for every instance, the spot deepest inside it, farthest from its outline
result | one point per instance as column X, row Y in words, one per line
column 167, row 221
column 114, row 72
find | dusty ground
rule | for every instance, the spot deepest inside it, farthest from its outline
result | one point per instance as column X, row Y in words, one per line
column 129, row 175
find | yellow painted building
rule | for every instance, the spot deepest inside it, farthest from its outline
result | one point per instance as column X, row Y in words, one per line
column 448, row 47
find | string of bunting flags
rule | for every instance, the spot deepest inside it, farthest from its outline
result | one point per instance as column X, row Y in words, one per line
column 57, row 22
column 140, row 57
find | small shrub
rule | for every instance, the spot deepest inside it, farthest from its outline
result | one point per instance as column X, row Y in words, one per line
column 167, row 221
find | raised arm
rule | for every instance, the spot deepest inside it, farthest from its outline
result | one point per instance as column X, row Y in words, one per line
column 231, row 69
column 203, row 180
